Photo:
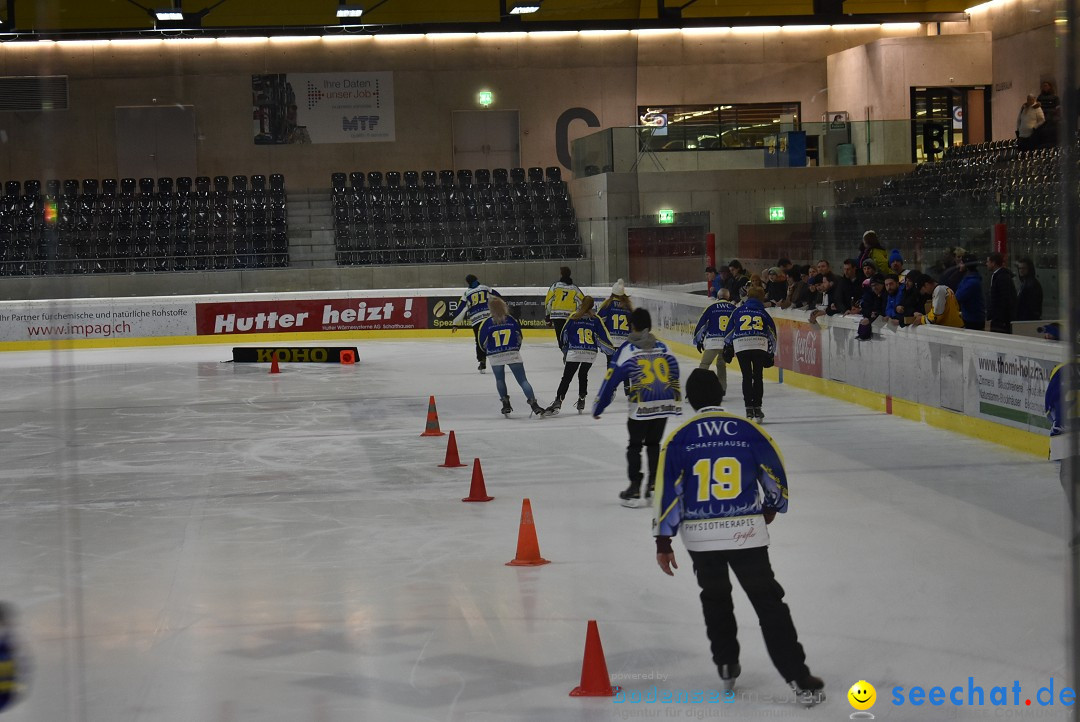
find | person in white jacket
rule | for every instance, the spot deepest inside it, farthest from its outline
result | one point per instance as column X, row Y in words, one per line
column 1031, row 117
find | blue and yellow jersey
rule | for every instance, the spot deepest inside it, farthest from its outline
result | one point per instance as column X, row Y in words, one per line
column 474, row 304
column 499, row 338
column 713, row 325
column 586, row 335
column 616, row 320
column 751, row 327
column 716, row 473
column 562, row 300
column 12, row 673
column 1057, row 407
column 655, row 391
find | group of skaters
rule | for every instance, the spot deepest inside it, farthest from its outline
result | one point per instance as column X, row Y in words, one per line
column 716, row 467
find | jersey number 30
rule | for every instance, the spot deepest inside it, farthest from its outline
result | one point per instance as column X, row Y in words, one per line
column 718, row 479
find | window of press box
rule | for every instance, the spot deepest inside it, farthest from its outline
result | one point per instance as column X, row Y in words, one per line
column 715, row 127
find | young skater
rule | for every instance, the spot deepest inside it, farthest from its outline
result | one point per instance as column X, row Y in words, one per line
column 500, row 335
column 582, row 337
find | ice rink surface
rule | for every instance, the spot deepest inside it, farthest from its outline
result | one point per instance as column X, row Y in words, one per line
column 190, row 540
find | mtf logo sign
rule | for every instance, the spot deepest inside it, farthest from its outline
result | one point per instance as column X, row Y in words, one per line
column 359, row 122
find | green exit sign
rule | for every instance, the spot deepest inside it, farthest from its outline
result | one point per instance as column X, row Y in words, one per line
column 485, row 98
column 776, row 213
column 666, row 215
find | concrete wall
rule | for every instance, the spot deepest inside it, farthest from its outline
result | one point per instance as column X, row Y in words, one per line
column 539, row 74
column 875, row 80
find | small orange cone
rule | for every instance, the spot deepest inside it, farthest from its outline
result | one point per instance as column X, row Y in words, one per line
column 595, row 681
column 452, row 461
column 528, row 549
column 432, row 426
column 477, row 492
column 274, row 368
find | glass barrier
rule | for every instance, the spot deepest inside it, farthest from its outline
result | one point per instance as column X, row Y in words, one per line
column 710, row 147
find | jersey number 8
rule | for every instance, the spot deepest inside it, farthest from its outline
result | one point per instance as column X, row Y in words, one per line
column 719, row 479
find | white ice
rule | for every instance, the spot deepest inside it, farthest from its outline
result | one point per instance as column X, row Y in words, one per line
column 191, row 540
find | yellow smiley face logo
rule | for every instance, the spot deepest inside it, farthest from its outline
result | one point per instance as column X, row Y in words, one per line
column 862, row 695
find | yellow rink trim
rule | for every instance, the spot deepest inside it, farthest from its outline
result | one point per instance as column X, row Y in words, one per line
column 338, row 337
column 981, row 429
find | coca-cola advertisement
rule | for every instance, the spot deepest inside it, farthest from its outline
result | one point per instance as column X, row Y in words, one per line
column 799, row 347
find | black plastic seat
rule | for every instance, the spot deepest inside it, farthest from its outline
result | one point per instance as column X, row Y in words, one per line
column 446, row 178
column 500, row 177
column 183, row 184
column 517, row 175
column 429, row 178
column 52, row 188
column 393, row 179
column 258, row 184
column 482, row 176
column 277, row 182
column 553, row 173
column 375, row 179
column 221, row 184
column 464, row 178
column 337, row 182
column 536, row 174
column 108, row 187
column 146, row 186
column 240, row 183
column 164, row 185
column 202, row 184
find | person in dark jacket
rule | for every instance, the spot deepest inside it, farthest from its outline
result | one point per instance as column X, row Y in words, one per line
column 911, row 299
column 1047, row 133
column 1029, row 299
column 873, row 306
column 798, row 295
column 739, row 280
column 953, row 273
column 969, row 293
column 775, row 287
column 1001, row 302
column 848, row 285
column 893, row 294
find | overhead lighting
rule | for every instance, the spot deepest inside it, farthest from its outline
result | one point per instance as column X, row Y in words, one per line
column 349, row 11
column 524, row 8
column 169, row 14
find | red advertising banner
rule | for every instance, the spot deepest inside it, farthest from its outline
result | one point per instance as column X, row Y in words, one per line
column 798, row 347
column 307, row 315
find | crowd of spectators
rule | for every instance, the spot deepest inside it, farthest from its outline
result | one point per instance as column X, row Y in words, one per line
column 876, row 284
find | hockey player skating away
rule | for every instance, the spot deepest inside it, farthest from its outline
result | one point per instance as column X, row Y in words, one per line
column 13, row 667
column 474, row 307
column 655, row 395
column 562, row 299
column 752, row 333
column 615, row 313
column 709, row 335
column 711, row 470
column 583, row 336
column 500, row 335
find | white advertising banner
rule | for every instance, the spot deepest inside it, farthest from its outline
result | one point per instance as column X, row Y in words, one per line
column 1012, row 388
column 345, row 107
column 87, row 319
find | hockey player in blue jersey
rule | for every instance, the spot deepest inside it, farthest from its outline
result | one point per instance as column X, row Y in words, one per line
column 722, row 481
column 709, row 335
column 1057, row 407
column 474, row 307
column 615, row 313
column 13, row 667
column 752, row 333
column 655, row 394
column 500, row 335
column 583, row 336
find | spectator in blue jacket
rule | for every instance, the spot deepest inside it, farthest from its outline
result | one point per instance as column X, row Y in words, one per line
column 969, row 292
column 894, row 293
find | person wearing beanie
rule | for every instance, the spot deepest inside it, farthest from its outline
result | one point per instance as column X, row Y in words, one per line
column 615, row 313
column 752, row 334
column 723, row 515
column 583, row 336
column 562, row 299
column 896, row 262
column 655, row 394
column 473, row 306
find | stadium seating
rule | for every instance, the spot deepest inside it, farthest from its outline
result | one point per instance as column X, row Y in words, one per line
column 142, row 226
column 443, row 217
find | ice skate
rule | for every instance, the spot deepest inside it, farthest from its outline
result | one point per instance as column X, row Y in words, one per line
column 555, row 406
column 760, row 414
column 809, row 690
column 728, row 674
column 506, row 407
column 537, row 409
column 482, row 367
column 631, row 497
column 580, row 404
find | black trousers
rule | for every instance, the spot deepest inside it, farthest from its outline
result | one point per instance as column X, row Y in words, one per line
column 481, row 355
column 558, row 323
column 755, row 575
column 752, row 364
column 648, row 433
column 582, row 370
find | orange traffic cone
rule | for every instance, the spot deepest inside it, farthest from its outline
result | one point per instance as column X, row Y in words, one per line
column 274, row 368
column 595, row 681
column 477, row 492
column 528, row 549
column 452, row 461
column 432, row 427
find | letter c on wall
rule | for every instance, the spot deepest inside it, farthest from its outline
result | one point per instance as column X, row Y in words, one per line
column 562, row 131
